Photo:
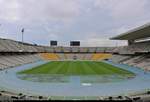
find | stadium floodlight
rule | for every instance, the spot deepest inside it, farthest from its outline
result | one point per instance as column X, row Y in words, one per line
column 22, row 34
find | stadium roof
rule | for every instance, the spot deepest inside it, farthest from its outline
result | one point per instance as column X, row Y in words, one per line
column 137, row 33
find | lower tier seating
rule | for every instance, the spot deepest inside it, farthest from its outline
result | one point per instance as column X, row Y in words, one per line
column 49, row 56
column 7, row 61
column 101, row 56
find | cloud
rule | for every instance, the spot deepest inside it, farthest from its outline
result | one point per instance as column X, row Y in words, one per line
column 36, row 11
column 9, row 10
column 124, row 9
column 91, row 21
column 95, row 39
column 126, row 28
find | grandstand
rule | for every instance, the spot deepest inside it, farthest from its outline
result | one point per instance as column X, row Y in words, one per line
column 14, row 60
column 75, row 56
column 137, row 52
column 49, row 56
column 14, row 54
column 101, row 56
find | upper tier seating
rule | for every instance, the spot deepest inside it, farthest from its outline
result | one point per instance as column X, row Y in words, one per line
column 7, row 45
column 142, row 47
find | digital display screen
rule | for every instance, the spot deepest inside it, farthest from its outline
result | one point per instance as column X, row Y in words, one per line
column 53, row 43
column 75, row 43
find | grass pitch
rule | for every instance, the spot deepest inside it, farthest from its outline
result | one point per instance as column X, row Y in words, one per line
column 77, row 68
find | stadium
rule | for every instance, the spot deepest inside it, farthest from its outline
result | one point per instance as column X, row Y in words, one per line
column 36, row 72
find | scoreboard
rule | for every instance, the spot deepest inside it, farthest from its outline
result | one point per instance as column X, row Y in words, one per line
column 53, row 43
column 74, row 43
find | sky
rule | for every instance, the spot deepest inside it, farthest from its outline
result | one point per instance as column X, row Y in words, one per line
column 92, row 22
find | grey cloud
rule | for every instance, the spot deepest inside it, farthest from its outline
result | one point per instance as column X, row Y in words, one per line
column 38, row 10
column 124, row 9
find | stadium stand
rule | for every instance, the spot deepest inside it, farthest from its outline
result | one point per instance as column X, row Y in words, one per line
column 9, row 61
column 66, row 49
column 101, row 56
column 137, row 52
column 7, row 45
column 49, row 56
column 140, row 47
column 83, row 49
column 141, row 61
column 10, row 96
column 119, row 58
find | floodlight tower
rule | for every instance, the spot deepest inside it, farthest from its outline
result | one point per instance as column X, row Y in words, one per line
column 22, row 31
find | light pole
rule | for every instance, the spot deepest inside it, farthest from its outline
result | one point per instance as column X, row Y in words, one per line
column 22, row 34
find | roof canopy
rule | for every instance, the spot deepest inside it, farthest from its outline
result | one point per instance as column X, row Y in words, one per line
column 137, row 33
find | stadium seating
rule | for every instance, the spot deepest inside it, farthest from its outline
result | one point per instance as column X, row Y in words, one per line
column 126, row 54
column 101, row 56
column 50, row 56
column 8, row 61
column 75, row 49
column 142, row 47
column 10, row 96
column 141, row 61
column 83, row 49
column 7, row 45
column 119, row 58
column 66, row 49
